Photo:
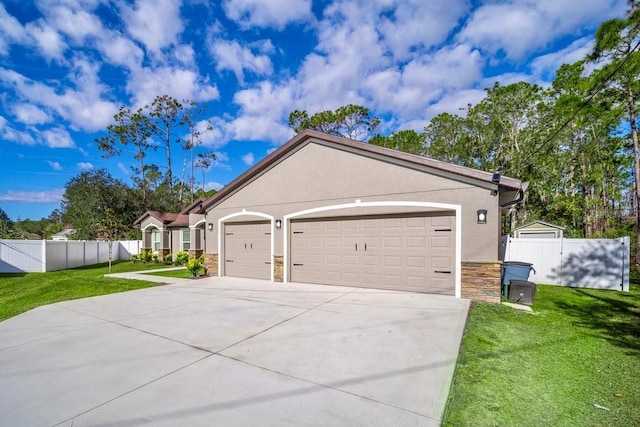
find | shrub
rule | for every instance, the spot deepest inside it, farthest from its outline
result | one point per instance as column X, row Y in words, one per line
column 168, row 258
column 145, row 256
column 194, row 265
column 155, row 258
column 135, row 258
column 182, row 258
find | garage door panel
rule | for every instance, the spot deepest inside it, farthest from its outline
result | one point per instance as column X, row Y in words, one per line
column 416, row 261
column 402, row 253
column 440, row 241
column 441, row 221
column 441, row 262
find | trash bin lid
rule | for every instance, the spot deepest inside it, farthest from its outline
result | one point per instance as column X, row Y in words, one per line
column 521, row 263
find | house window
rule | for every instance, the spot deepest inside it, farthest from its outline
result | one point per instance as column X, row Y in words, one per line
column 186, row 239
column 155, row 239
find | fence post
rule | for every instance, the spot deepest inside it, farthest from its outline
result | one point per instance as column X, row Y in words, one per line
column 43, row 258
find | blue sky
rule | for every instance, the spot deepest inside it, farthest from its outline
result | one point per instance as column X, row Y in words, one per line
column 66, row 66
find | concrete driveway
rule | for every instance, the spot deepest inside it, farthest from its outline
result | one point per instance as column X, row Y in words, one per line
column 232, row 352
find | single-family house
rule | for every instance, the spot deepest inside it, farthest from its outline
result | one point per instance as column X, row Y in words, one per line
column 169, row 233
column 330, row 210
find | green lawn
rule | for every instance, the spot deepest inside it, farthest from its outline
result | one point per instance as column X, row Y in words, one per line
column 580, row 348
column 20, row 292
column 179, row 274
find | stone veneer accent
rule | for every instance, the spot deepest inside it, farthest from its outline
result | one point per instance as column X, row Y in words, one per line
column 481, row 280
column 211, row 264
column 278, row 268
column 162, row 253
column 195, row 253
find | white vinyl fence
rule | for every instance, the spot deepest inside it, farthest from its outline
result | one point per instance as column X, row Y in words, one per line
column 579, row 263
column 29, row 256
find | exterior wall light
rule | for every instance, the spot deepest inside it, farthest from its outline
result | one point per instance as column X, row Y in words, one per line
column 278, row 224
column 210, row 226
column 482, row 216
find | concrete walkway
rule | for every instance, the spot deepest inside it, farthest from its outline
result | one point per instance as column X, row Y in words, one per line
column 232, row 352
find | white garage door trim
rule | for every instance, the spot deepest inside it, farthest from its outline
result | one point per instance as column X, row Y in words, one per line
column 359, row 204
column 221, row 222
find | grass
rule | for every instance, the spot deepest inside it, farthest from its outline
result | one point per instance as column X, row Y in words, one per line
column 178, row 274
column 20, row 292
column 580, row 348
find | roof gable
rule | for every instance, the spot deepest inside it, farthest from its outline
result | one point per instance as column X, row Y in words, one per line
column 374, row 151
column 536, row 224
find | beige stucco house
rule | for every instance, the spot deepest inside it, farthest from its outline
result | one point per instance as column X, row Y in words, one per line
column 169, row 233
column 329, row 210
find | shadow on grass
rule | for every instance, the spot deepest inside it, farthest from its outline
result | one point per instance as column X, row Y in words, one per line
column 612, row 315
column 7, row 275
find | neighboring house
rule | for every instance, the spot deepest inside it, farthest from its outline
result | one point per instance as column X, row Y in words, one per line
column 538, row 230
column 63, row 235
column 329, row 210
column 169, row 233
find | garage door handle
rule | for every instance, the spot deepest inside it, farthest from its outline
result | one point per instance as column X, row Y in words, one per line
column 443, row 271
column 298, row 265
column 365, row 246
column 267, row 262
column 356, row 246
column 229, row 260
column 245, row 246
column 443, row 229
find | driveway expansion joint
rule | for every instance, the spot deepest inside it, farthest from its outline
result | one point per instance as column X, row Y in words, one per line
column 284, row 321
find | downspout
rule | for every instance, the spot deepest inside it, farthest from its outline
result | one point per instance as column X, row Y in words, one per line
column 519, row 198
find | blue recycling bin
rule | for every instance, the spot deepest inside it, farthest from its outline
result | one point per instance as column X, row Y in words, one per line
column 514, row 270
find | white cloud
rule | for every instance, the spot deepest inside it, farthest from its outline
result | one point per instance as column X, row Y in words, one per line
column 229, row 55
column 84, row 165
column 544, row 67
column 48, row 41
column 30, row 114
column 123, row 169
column 54, row 165
column 518, row 27
column 211, row 185
column 119, row 50
column 8, row 133
column 146, row 83
column 248, row 159
column 419, row 24
column 155, row 23
column 267, row 13
column 57, row 138
column 11, row 31
column 71, row 19
column 49, row 196
column 83, row 107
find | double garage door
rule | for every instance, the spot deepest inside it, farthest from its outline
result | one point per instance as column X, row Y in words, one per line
column 412, row 253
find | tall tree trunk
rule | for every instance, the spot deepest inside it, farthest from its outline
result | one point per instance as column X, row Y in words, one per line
column 636, row 161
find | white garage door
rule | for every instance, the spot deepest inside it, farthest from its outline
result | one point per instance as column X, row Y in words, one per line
column 247, row 250
column 410, row 253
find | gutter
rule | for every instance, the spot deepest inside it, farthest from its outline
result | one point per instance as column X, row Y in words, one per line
column 519, row 198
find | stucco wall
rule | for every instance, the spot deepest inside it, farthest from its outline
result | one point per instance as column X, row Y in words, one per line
column 317, row 175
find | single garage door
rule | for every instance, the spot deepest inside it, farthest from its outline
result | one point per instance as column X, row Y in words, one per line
column 411, row 253
column 247, row 250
